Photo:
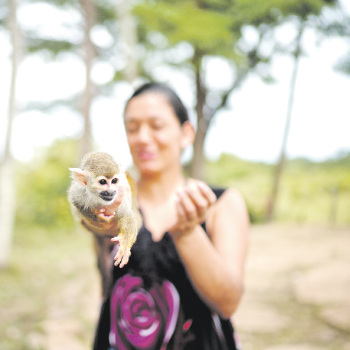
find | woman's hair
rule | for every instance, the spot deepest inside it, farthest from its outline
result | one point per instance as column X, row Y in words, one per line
column 174, row 100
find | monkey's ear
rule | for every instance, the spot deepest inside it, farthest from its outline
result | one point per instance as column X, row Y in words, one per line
column 79, row 176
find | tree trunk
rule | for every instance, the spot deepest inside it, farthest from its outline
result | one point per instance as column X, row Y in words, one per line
column 281, row 162
column 205, row 114
column 7, row 185
column 88, row 95
column 196, row 167
column 7, row 211
column 128, row 39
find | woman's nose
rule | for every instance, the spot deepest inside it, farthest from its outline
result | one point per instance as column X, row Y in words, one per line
column 144, row 134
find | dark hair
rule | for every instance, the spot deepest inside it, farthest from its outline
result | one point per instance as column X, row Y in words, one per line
column 174, row 100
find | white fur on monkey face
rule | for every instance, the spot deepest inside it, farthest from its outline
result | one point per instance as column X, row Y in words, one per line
column 103, row 183
column 100, row 190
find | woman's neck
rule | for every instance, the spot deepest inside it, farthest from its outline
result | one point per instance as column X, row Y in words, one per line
column 156, row 198
column 160, row 187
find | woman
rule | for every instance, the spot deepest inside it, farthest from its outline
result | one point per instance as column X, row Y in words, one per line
column 184, row 278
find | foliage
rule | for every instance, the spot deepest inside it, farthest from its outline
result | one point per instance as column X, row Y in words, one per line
column 42, row 188
column 180, row 22
column 3, row 13
column 337, row 24
column 216, row 28
column 52, row 46
column 309, row 193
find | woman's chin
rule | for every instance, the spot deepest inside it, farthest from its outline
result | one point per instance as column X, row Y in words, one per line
column 148, row 169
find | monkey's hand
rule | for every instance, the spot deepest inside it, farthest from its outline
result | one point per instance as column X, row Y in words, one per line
column 126, row 238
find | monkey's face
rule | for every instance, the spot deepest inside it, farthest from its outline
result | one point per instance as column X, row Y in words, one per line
column 106, row 188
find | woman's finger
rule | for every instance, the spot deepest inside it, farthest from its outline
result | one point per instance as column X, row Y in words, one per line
column 179, row 208
column 119, row 198
column 200, row 201
column 181, row 217
column 188, row 207
column 207, row 192
column 111, row 209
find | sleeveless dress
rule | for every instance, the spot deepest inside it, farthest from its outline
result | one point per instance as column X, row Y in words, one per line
column 153, row 306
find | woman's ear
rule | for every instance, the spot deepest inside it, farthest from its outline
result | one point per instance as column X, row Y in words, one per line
column 188, row 134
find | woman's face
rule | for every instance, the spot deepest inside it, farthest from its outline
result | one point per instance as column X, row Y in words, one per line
column 154, row 133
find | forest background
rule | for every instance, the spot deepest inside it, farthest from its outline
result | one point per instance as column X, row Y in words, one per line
column 114, row 46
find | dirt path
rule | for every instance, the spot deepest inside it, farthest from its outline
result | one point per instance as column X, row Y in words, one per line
column 297, row 289
column 297, row 294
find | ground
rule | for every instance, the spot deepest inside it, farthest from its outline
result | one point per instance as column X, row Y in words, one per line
column 297, row 289
column 297, row 295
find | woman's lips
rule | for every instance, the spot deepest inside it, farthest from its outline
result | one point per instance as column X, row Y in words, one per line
column 146, row 155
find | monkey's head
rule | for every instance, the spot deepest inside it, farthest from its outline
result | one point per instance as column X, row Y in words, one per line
column 99, row 174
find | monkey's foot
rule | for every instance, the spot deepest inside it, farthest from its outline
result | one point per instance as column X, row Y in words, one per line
column 123, row 254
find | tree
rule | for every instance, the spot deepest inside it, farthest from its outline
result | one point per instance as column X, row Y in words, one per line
column 89, row 91
column 282, row 157
column 324, row 24
column 337, row 24
column 214, row 28
column 112, row 17
column 127, row 39
column 94, row 14
column 7, row 189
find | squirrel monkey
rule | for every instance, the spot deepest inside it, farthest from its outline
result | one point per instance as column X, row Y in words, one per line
column 95, row 185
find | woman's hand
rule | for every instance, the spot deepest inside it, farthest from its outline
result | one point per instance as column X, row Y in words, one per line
column 108, row 226
column 107, row 213
column 192, row 204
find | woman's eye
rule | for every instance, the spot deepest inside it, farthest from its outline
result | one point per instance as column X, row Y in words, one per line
column 158, row 126
column 131, row 127
column 114, row 181
column 102, row 182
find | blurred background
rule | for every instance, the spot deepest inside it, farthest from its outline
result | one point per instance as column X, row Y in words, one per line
column 267, row 85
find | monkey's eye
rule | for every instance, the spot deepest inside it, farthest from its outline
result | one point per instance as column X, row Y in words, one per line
column 114, row 181
column 103, row 182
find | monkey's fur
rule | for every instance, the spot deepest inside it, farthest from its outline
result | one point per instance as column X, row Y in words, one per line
column 95, row 185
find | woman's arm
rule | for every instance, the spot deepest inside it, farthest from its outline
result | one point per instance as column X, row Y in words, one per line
column 215, row 265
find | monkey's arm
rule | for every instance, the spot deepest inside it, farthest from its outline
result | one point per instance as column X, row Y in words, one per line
column 129, row 219
column 129, row 225
column 122, row 216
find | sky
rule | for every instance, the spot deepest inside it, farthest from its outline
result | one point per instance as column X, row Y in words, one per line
column 251, row 127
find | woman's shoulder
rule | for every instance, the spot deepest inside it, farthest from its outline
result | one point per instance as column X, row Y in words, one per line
column 228, row 195
column 230, row 206
column 230, row 202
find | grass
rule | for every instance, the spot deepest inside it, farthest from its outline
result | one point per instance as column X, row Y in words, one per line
column 311, row 193
column 42, row 262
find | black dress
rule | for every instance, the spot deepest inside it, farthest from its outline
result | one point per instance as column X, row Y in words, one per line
column 152, row 304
